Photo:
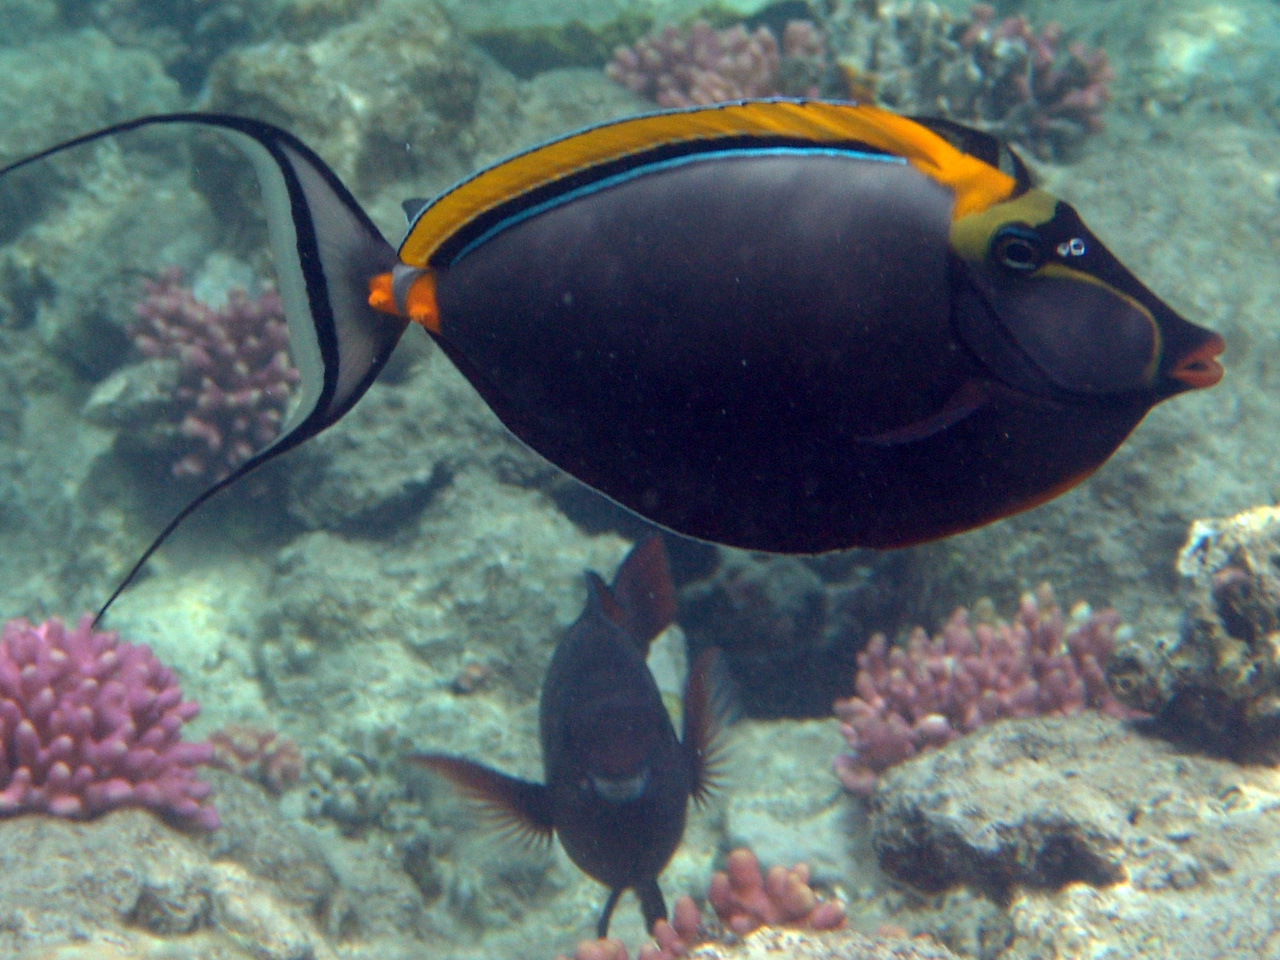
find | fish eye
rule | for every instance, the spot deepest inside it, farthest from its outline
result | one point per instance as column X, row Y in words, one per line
column 1017, row 247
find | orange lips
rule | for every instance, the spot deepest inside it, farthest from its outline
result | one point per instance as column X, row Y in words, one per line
column 1200, row 368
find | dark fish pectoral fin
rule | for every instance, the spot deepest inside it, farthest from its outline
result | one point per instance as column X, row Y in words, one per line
column 970, row 397
column 326, row 249
column 708, row 708
column 652, row 905
column 518, row 806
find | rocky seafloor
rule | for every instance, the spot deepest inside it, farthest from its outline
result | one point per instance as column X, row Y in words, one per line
column 399, row 584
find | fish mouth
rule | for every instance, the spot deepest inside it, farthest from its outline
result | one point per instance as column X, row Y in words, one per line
column 620, row 789
column 1200, row 368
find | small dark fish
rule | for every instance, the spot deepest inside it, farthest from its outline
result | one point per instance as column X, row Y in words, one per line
column 617, row 779
column 789, row 326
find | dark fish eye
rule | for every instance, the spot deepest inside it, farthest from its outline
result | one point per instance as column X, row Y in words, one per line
column 1017, row 247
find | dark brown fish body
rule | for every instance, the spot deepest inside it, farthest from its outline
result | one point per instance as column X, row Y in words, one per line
column 617, row 778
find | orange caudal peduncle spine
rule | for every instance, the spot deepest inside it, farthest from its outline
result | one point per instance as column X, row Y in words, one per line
column 419, row 301
column 380, row 296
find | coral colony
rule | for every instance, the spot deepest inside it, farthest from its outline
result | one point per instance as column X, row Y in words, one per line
column 929, row 693
column 258, row 754
column 1055, row 92
column 89, row 723
column 702, row 65
column 236, row 378
column 998, row 74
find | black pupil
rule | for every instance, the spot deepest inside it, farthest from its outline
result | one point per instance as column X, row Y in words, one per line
column 1018, row 252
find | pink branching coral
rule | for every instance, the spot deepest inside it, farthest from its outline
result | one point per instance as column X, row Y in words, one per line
column 89, row 723
column 236, row 377
column 701, row 65
column 257, row 754
column 743, row 899
column 929, row 693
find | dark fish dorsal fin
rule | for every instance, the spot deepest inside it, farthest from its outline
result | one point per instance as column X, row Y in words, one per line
column 518, row 807
column 708, row 708
column 644, row 593
column 602, row 602
column 326, row 248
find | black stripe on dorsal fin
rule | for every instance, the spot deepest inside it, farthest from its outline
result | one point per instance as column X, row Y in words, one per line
column 990, row 149
column 326, row 249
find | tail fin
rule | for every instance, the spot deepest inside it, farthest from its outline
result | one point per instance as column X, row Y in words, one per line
column 326, row 249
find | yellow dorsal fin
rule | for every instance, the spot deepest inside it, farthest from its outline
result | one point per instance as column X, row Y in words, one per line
column 976, row 185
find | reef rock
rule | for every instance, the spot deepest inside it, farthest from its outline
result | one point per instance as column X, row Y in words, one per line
column 769, row 942
column 389, row 95
column 1093, row 837
column 1218, row 679
column 127, row 881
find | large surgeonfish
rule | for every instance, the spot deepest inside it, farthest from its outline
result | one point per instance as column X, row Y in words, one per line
column 790, row 326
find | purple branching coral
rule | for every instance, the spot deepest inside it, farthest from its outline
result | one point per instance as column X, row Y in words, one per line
column 998, row 74
column 929, row 693
column 235, row 378
column 89, row 723
column 701, row 65
column 1040, row 91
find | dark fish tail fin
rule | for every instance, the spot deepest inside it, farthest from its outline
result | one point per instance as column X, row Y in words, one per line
column 606, row 913
column 644, row 594
column 518, row 807
column 326, row 250
column 652, row 904
column 708, row 711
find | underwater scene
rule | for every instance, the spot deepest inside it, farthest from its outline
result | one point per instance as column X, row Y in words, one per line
column 606, row 479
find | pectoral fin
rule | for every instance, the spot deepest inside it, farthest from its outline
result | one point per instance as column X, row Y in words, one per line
column 967, row 400
column 518, row 807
